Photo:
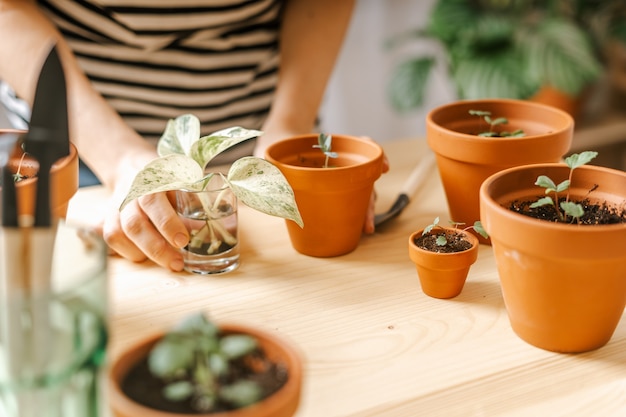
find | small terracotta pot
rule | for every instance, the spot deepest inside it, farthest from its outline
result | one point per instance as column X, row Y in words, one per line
column 573, row 105
column 283, row 403
column 63, row 181
column 443, row 275
column 333, row 201
column 465, row 160
column 564, row 285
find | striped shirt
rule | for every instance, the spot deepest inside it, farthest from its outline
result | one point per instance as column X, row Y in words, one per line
column 153, row 60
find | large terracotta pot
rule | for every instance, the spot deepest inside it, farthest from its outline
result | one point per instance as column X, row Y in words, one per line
column 564, row 285
column 443, row 275
column 63, row 180
column 465, row 160
column 283, row 403
column 333, row 201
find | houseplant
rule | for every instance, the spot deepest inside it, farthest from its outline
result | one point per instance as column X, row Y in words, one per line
column 495, row 49
column 443, row 257
column 465, row 160
column 333, row 200
column 207, row 369
column 562, row 281
column 63, row 177
column 183, row 157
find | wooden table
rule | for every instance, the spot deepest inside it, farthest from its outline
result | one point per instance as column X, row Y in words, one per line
column 373, row 343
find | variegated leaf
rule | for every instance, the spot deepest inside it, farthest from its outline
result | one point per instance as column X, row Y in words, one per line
column 208, row 147
column 261, row 186
column 179, row 135
column 171, row 172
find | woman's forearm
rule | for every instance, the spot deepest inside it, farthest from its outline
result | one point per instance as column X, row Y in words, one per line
column 103, row 139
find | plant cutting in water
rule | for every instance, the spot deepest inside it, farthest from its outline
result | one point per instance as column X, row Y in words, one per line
column 447, row 240
column 567, row 208
column 486, row 116
column 211, row 370
column 324, row 142
column 183, row 157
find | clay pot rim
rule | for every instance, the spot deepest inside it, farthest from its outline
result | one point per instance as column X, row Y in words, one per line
column 277, row 401
column 58, row 166
column 486, row 198
column 378, row 152
column 469, row 236
column 431, row 116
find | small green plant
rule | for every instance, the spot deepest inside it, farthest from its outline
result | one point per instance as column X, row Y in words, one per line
column 195, row 362
column 567, row 208
column 18, row 176
column 442, row 239
column 324, row 142
column 486, row 116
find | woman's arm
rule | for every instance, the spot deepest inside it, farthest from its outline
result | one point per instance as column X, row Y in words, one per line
column 310, row 40
column 115, row 152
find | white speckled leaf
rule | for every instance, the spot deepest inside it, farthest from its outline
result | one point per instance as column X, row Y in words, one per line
column 179, row 135
column 207, row 147
column 171, row 172
column 261, row 186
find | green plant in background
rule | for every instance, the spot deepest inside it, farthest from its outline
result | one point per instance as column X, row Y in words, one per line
column 442, row 239
column 193, row 360
column 500, row 49
column 486, row 116
column 324, row 142
column 567, row 207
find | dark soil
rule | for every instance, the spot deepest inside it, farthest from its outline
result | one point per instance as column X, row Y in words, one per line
column 145, row 389
column 595, row 214
column 456, row 242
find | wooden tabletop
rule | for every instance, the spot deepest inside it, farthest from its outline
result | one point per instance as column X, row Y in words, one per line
column 373, row 343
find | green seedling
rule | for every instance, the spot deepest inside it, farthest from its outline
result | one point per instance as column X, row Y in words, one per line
column 324, row 142
column 442, row 239
column 567, row 208
column 194, row 360
column 486, row 116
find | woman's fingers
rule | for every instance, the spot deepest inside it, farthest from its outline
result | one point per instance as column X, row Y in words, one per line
column 147, row 228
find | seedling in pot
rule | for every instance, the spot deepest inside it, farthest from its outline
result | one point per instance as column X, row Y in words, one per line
column 486, row 116
column 444, row 237
column 568, row 209
column 211, row 370
column 324, row 142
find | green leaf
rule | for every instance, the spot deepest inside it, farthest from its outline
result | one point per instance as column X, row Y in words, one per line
column 208, row 147
column 179, row 135
column 430, row 227
column 408, row 81
column 562, row 186
column 572, row 209
column 178, row 391
column 480, row 113
column 546, row 182
column 237, row 345
column 542, row 202
column 171, row 172
column 218, row 364
column 196, row 323
column 241, row 393
column 577, row 160
column 170, row 356
column 441, row 240
column 499, row 121
column 478, row 226
column 261, row 186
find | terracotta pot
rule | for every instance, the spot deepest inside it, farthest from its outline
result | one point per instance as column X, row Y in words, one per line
column 63, row 181
column 283, row 403
column 465, row 160
column 333, row 201
column 564, row 286
column 573, row 105
column 443, row 275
